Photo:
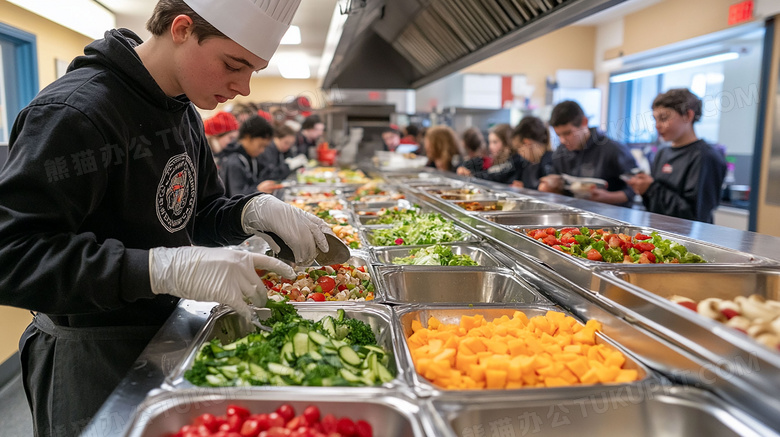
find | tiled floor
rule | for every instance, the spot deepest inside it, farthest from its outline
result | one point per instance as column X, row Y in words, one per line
column 15, row 419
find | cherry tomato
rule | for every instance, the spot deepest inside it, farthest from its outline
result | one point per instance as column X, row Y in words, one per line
column 327, row 283
column 278, row 431
column 250, row 428
column 336, row 267
column 550, row 231
column 268, row 284
column 644, row 247
column 209, row 421
column 275, row 420
column 640, row 236
column 286, row 411
column 346, row 426
column 689, row 305
column 594, row 255
column 312, row 414
column 236, row 410
column 262, row 421
column 729, row 313
column 317, row 297
column 297, row 422
column 364, row 429
column 329, row 423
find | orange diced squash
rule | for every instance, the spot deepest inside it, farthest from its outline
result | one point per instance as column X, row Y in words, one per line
column 463, row 362
column 495, row 378
column 553, row 381
column 433, row 323
column 607, row 374
column 617, row 359
column 628, row 375
column 416, row 326
column 477, row 372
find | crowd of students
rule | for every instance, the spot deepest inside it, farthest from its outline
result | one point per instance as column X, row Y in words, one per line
column 685, row 180
column 255, row 154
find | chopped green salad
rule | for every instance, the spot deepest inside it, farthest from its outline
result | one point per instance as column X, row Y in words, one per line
column 394, row 215
column 334, row 351
column 436, row 255
column 602, row 245
column 429, row 228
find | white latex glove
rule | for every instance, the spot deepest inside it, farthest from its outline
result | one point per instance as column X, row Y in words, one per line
column 301, row 231
column 213, row 275
column 296, row 162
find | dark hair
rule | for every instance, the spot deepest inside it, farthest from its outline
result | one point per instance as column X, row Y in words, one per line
column 566, row 112
column 411, row 130
column 503, row 131
column 681, row 100
column 532, row 128
column 391, row 129
column 310, row 121
column 167, row 10
column 255, row 127
column 283, row 130
column 473, row 139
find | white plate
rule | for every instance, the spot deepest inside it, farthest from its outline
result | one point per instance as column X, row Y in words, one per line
column 580, row 186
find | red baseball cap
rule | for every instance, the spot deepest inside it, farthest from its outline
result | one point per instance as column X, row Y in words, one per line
column 220, row 123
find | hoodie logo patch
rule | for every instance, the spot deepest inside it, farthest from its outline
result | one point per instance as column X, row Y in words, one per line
column 176, row 193
column 667, row 168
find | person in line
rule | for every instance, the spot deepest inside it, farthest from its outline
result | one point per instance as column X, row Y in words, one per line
column 408, row 143
column 477, row 159
column 441, row 147
column 312, row 129
column 587, row 152
column 221, row 130
column 421, row 140
column 687, row 177
column 274, row 165
column 242, row 112
column 391, row 139
column 531, row 139
column 111, row 208
column 242, row 171
column 506, row 162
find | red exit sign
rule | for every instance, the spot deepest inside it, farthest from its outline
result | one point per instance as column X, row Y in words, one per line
column 740, row 12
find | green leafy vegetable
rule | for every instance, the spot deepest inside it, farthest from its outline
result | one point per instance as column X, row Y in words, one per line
column 429, row 228
column 436, row 255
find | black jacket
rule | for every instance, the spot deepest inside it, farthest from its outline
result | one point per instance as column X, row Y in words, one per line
column 272, row 161
column 687, row 183
column 506, row 172
column 102, row 167
column 531, row 173
column 600, row 158
column 240, row 173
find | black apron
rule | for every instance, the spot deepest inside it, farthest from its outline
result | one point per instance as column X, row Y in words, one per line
column 68, row 373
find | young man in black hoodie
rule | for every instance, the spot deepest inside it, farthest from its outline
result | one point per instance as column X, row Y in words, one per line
column 109, row 186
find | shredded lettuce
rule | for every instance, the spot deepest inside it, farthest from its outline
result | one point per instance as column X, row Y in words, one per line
column 436, row 255
column 430, row 228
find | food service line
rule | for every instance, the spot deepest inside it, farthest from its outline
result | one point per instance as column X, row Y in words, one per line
column 722, row 360
column 410, row 414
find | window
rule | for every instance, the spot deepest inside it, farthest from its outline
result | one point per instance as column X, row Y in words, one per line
column 18, row 75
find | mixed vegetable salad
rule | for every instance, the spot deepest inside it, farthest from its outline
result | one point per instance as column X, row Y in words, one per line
column 334, row 351
column 428, row 228
column 338, row 282
column 436, row 255
column 602, row 245
column 388, row 216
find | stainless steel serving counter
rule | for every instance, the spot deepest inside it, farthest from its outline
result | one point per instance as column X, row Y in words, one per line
column 167, row 349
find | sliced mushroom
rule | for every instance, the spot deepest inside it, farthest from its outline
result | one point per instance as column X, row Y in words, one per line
column 775, row 324
column 769, row 340
column 758, row 329
column 739, row 322
column 729, row 305
column 757, row 309
column 677, row 299
column 709, row 308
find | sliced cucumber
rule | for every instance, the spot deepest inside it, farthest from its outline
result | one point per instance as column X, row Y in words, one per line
column 258, row 372
column 338, row 343
column 340, row 315
column 349, row 356
column 329, row 326
column 287, row 351
column 235, row 344
column 376, row 349
column 280, row 369
column 230, row 372
column 216, row 380
column 318, row 338
column 278, row 381
column 384, row 375
column 300, row 344
column 349, row 376
column 316, row 356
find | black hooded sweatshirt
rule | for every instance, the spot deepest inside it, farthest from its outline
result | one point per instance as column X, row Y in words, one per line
column 687, row 182
column 102, row 167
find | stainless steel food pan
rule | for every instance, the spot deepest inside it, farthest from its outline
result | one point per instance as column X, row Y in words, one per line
column 644, row 294
column 366, row 215
column 462, row 190
column 479, row 252
column 549, row 218
column 646, row 411
column 711, row 253
column 516, row 205
column 305, row 190
column 228, row 326
column 391, row 414
column 406, row 314
column 367, row 235
column 359, row 207
column 463, row 285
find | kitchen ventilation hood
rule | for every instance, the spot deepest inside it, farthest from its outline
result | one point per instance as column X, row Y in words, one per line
column 410, row 43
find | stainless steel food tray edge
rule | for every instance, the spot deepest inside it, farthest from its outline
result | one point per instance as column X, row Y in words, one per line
column 160, row 402
column 424, row 389
column 175, row 379
column 443, row 410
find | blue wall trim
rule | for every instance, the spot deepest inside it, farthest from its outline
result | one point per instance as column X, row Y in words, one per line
column 26, row 54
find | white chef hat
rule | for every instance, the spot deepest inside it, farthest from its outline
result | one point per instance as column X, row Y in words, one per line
column 257, row 25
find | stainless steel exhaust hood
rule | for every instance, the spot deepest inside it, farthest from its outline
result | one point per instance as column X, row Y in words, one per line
column 409, row 43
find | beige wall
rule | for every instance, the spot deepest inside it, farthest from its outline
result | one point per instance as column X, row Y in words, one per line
column 277, row 89
column 672, row 21
column 53, row 41
column 568, row 48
